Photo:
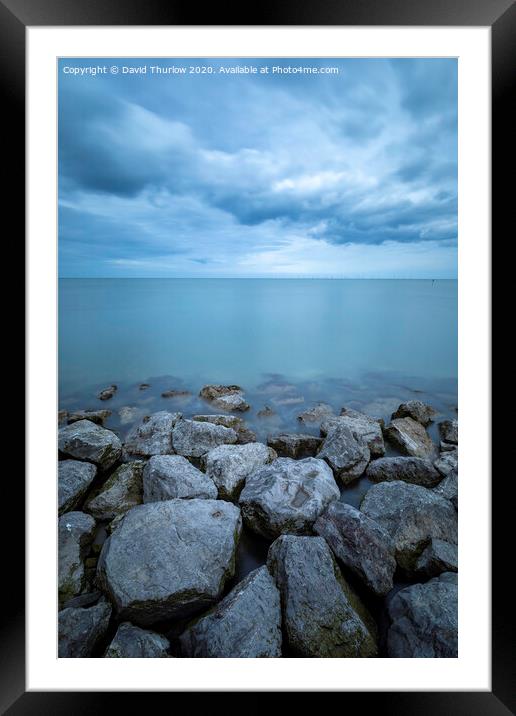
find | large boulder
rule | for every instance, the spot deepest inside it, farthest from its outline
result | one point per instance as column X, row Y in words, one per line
column 169, row 560
column 74, row 479
column 245, row 434
column 360, row 544
column 316, row 414
column 225, row 397
column 410, row 437
column 192, row 438
column 449, row 488
column 368, row 429
column 322, row 617
column 412, row 515
column 294, row 445
column 287, row 496
column 416, row 470
column 151, row 436
column 417, row 410
column 345, row 452
column 246, row 624
column 85, row 440
column 81, row 629
column 425, row 620
column 75, row 535
column 121, row 492
column 167, row 477
column 132, row 642
column 449, row 431
column 437, row 558
column 230, row 465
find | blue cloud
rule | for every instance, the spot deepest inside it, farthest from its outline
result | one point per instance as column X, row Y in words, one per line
column 247, row 175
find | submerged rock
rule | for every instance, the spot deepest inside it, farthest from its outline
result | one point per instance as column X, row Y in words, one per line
column 144, row 386
column 121, row 492
column 287, row 496
column 108, row 392
column 417, row 410
column 192, row 438
column 368, row 430
column 345, row 453
column 449, row 431
column 152, row 436
column 360, row 544
column 416, row 470
column 62, row 417
column 294, row 445
column 74, row 479
column 412, row 515
column 246, row 624
column 229, row 466
column 169, row 560
column 81, row 629
column 75, row 535
column 167, row 477
column 128, row 414
column 317, row 414
column 266, row 412
column 437, row 558
column 449, row 488
column 425, row 620
column 245, row 435
column 132, row 642
column 410, row 437
column 86, row 441
column 225, row 397
column 321, row 615
column 175, row 393
column 96, row 416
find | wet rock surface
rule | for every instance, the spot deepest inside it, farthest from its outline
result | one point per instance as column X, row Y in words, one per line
column 121, row 492
column 415, row 470
column 74, row 479
column 152, row 436
column 132, row 642
column 85, row 440
column 81, row 629
column 225, row 397
column 417, row 410
column 167, row 477
column 449, row 431
column 192, row 438
column 410, row 437
column 345, row 452
column 230, row 465
column 369, row 430
column 294, row 445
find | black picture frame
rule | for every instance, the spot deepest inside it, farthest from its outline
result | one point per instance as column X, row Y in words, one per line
column 500, row 15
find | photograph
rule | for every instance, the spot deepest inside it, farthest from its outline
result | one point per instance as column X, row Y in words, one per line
column 257, row 363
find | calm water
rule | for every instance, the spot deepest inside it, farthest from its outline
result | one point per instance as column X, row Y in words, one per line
column 224, row 330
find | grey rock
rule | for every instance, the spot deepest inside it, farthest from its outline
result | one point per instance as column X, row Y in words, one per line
column 107, row 393
column 152, row 436
column 86, row 599
column 266, row 412
column 345, row 452
column 321, row 615
column 81, row 629
column 132, row 642
column 96, row 416
column 121, row 492
column 317, row 414
column 369, row 430
column 449, row 488
column 62, row 418
column 74, row 479
column 86, row 441
column 144, row 386
column 294, row 445
column 449, row 431
column 412, row 515
column 225, row 397
column 233, row 402
column 416, row 470
column 245, row 435
column 360, row 544
column 437, row 558
column 447, row 461
column 246, row 624
column 425, row 620
column 175, row 393
column 169, row 560
column 128, row 414
column 75, row 535
column 167, row 477
column 410, row 437
column 417, row 410
column 230, row 465
column 287, row 496
column 192, row 438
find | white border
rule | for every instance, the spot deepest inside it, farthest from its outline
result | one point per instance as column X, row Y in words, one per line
column 471, row 671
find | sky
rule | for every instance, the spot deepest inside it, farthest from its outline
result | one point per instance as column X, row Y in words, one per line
column 349, row 172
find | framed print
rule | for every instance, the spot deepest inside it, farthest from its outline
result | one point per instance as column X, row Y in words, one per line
column 258, row 291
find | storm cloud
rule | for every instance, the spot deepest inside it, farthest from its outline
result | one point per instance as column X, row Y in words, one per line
column 345, row 174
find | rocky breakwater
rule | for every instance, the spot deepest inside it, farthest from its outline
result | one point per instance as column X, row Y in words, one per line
column 175, row 495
